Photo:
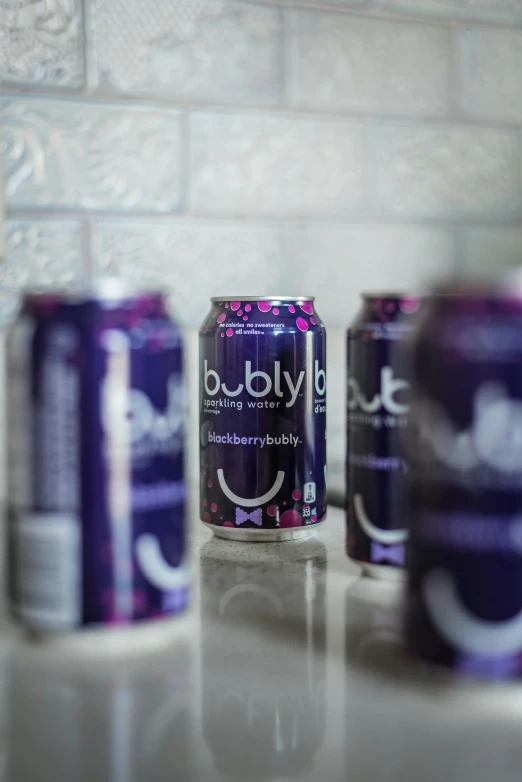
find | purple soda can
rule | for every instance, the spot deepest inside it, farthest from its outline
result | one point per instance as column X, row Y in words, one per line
column 95, row 452
column 464, row 607
column 377, row 415
column 263, row 418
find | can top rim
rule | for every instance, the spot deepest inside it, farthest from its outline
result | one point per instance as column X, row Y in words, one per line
column 103, row 289
column 390, row 295
column 262, row 298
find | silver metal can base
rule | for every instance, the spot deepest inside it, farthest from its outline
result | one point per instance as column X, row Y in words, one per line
column 382, row 572
column 264, row 535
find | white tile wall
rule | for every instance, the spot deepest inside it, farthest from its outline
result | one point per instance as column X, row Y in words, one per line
column 486, row 10
column 214, row 50
column 39, row 252
column 72, row 153
column 368, row 64
column 276, row 165
column 257, row 145
column 41, row 42
column 196, row 259
column 42, row 251
column 448, row 172
column 491, row 64
column 339, row 261
column 487, row 251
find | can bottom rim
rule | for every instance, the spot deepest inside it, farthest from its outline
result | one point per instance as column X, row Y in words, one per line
column 263, row 535
column 382, row 572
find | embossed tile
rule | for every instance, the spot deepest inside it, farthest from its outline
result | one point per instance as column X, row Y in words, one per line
column 205, row 49
column 489, row 10
column 448, row 172
column 195, row 259
column 491, row 70
column 370, row 64
column 276, row 165
column 41, row 42
column 39, row 252
column 486, row 251
column 338, row 262
column 90, row 155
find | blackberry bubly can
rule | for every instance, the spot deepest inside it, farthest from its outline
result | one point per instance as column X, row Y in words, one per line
column 377, row 415
column 465, row 557
column 96, row 489
column 263, row 418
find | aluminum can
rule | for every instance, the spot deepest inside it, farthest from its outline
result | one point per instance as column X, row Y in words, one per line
column 96, row 491
column 378, row 392
column 465, row 552
column 263, row 418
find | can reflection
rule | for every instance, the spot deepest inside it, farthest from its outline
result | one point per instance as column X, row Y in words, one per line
column 263, row 636
column 374, row 622
column 122, row 721
column 407, row 720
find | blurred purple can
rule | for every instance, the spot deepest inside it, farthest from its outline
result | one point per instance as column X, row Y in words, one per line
column 378, row 394
column 263, row 418
column 465, row 555
column 96, row 493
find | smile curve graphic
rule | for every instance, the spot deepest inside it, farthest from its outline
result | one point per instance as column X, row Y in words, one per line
column 462, row 629
column 387, row 537
column 246, row 502
column 155, row 568
column 241, row 589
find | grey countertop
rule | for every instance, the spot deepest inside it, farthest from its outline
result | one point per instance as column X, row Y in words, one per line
column 289, row 665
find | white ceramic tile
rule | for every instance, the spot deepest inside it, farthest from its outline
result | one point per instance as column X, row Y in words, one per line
column 338, row 262
column 41, row 42
column 71, row 153
column 370, row 64
column 218, row 50
column 489, row 251
column 276, row 165
column 490, row 73
column 448, row 172
column 488, row 10
column 195, row 259
column 39, row 252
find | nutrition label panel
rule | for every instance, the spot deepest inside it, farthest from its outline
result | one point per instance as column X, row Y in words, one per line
column 47, row 574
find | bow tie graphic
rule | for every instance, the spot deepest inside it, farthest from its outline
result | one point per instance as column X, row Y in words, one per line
column 255, row 516
column 392, row 554
column 499, row 667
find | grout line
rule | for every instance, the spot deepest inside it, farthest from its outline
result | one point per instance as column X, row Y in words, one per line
column 83, row 43
column 186, row 168
column 89, row 47
column 370, row 219
column 354, row 116
column 87, row 237
column 372, row 167
column 388, row 9
column 454, row 75
column 291, row 57
column 461, row 266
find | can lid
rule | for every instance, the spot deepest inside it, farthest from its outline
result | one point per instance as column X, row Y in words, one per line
column 262, row 298
column 389, row 295
column 101, row 289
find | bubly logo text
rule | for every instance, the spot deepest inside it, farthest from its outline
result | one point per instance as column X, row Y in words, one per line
column 134, row 416
column 493, row 438
column 387, row 398
column 279, row 382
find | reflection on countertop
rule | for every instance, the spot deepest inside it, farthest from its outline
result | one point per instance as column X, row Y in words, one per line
column 289, row 665
column 264, row 692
